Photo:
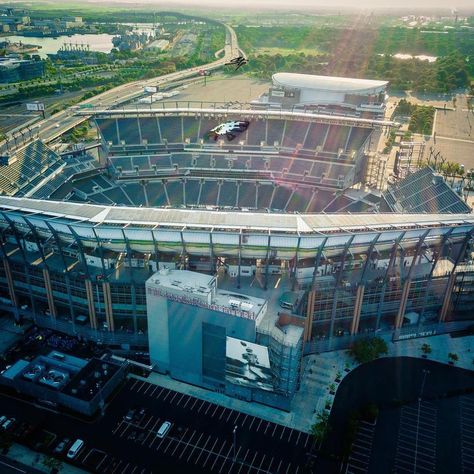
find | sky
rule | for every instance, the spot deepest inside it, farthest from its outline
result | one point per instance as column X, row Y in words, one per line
column 312, row 4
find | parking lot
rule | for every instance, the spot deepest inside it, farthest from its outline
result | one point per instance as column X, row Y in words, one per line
column 466, row 408
column 202, row 434
column 359, row 458
column 200, row 440
column 416, row 442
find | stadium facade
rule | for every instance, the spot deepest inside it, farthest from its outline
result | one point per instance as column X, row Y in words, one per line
column 245, row 254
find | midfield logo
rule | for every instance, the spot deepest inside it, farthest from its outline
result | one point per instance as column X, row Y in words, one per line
column 228, row 129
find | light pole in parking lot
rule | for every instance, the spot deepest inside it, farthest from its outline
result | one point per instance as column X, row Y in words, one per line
column 425, row 373
column 235, row 439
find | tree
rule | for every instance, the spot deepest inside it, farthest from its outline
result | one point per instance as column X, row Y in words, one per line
column 55, row 465
column 426, row 349
column 368, row 349
column 454, row 357
column 321, row 427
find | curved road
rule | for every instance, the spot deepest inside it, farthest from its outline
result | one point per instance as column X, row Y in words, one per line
column 56, row 125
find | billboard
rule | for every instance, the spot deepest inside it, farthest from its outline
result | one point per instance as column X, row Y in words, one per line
column 35, row 106
column 248, row 364
column 151, row 89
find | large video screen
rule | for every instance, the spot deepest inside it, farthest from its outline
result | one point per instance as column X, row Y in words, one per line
column 248, row 364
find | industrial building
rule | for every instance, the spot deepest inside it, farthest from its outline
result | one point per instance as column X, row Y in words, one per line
column 229, row 260
column 61, row 379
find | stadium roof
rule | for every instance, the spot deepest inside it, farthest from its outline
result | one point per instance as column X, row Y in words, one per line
column 328, row 83
column 206, row 219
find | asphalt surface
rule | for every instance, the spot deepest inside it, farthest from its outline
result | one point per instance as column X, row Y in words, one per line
column 425, row 423
column 9, row 466
column 199, row 441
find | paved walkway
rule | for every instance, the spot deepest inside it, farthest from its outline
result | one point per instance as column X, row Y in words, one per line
column 320, row 371
column 33, row 461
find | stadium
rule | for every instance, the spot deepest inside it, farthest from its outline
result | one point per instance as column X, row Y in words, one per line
column 274, row 232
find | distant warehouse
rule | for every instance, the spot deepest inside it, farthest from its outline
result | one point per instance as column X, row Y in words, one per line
column 325, row 93
column 14, row 70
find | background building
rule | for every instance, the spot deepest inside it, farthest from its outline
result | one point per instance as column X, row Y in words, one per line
column 362, row 97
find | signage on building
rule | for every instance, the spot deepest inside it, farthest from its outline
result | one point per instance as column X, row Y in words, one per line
column 276, row 93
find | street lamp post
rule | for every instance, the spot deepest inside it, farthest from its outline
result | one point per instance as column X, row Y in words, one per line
column 425, row 373
column 235, row 440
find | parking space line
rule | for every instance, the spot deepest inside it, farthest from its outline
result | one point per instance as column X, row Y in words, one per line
column 218, row 454
column 167, row 395
column 225, row 458
column 202, row 449
column 159, row 395
column 223, row 413
column 195, row 446
column 172, row 440
column 214, row 412
column 298, row 439
column 200, row 406
column 244, row 420
column 195, row 401
column 211, row 451
column 270, row 465
column 242, row 463
column 307, row 439
column 283, row 430
column 117, row 427
column 150, row 385
column 117, row 466
column 237, row 417
column 140, row 387
column 208, row 408
column 103, row 459
column 134, row 383
column 251, row 464
column 269, row 425
column 174, row 396
column 154, row 390
column 179, row 441
column 274, row 430
column 259, row 424
column 187, row 401
column 148, row 422
column 179, row 401
column 229, row 415
column 253, row 421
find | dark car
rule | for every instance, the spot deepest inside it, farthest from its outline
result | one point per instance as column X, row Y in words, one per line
column 61, row 446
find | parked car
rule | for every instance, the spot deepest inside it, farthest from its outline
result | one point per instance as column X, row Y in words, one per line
column 8, row 424
column 61, row 446
column 130, row 415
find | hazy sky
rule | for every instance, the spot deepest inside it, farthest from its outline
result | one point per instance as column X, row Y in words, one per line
column 312, row 4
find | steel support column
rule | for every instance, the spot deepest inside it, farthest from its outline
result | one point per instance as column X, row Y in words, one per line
column 132, row 278
column 452, row 278
column 46, row 275
column 336, row 286
column 66, row 273
column 407, row 282
column 393, row 256
column 361, row 288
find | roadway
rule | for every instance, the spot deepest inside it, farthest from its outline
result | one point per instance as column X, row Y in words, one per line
column 56, row 125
